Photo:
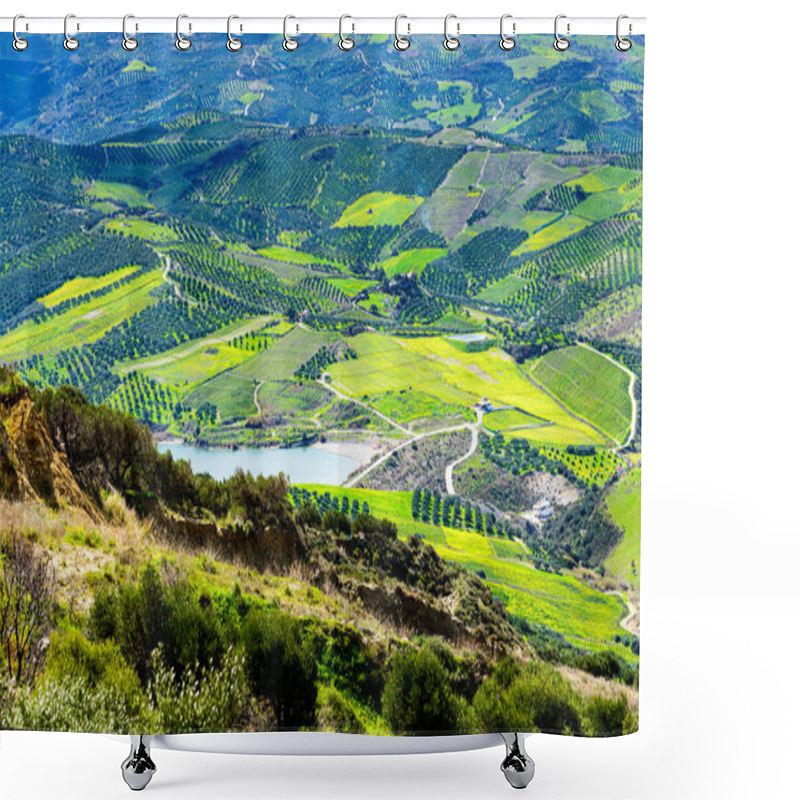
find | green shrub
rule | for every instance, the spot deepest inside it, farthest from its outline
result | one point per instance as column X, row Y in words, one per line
column 205, row 699
column 150, row 614
column 336, row 521
column 417, row 697
column 353, row 665
column 85, row 687
column 308, row 515
column 530, row 698
column 609, row 717
column 336, row 713
column 281, row 666
column 604, row 665
column 366, row 523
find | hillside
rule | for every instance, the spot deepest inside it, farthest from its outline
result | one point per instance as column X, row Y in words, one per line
column 351, row 581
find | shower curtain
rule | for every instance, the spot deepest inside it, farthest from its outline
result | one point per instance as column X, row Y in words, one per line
column 320, row 386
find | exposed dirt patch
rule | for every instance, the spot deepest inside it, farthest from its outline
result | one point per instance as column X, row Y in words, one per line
column 507, row 492
column 421, row 464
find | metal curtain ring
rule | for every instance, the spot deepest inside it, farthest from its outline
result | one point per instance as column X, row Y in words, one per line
column 233, row 44
column 451, row 42
column 19, row 44
column 507, row 42
column 289, row 44
column 622, row 44
column 128, row 42
column 181, row 41
column 401, row 42
column 345, row 42
column 560, row 43
column 70, row 42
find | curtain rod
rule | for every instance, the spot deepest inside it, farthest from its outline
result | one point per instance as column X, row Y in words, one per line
column 463, row 26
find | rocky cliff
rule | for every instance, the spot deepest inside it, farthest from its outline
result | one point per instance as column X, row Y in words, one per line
column 31, row 467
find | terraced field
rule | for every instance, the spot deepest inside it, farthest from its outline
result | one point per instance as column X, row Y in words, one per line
column 590, row 385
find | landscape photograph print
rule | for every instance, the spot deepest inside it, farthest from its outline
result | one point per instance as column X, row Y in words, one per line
column 320, row 386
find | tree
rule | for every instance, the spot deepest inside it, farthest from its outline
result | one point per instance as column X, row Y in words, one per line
column 27, row 587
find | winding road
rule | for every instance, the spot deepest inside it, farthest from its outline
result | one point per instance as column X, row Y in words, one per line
column 627, row 622
column 448, row 473
column 414, row 437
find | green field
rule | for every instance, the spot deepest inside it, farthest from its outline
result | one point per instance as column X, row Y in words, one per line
column 378, row 208
column 552, row 234
column 439, row 368
column 350, row 286
column 605, row 178
column 399, row 367
column 78, row 286
column 411, row 260
column 504, row 289
column 141, row 229
column 384, row 303
column 405, row 406
column 131, row 196
column 560, row 602
column 194, row 361
column 287, row 355
column 507, row 420
column 590, row 385
column 624, row 503
column 232, row 395
column 495, row 375
column 81, row 324
column 456, row 114
column 278, row 253
column 196, row 365
column 137, row 65
column 291, row 397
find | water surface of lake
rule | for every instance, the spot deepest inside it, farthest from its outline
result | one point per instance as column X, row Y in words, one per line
column 301, row 464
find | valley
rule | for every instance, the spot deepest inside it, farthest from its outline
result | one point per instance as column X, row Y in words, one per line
column 437, row 320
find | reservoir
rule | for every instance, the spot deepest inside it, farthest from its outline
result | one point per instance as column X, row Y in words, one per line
column 300, row 464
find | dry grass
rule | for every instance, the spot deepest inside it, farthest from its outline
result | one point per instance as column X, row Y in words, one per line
column 591, row 685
